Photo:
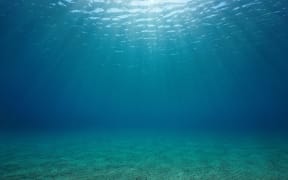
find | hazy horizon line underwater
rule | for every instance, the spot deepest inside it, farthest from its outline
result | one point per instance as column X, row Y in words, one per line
column 144, row 89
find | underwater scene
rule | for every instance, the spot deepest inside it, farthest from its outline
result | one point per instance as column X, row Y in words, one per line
column 144, row 89
column 140, row 157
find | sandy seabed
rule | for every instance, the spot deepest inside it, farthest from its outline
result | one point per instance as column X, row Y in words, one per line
column 139, row 157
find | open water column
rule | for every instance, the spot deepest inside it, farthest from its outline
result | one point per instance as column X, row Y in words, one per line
column 144, row 89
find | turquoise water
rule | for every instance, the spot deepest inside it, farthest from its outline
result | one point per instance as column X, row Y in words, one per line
column 146, row 63
column 177, row 71
column 126, row 157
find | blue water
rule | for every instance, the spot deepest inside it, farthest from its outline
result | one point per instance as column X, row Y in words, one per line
column 106, row 156
column 178, row 69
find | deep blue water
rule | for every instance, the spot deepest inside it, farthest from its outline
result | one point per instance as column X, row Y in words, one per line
column 143, row 89
column 199, row 64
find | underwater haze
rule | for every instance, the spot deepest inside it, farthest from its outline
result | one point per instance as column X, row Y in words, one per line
column 148, row 63
column 143, row 89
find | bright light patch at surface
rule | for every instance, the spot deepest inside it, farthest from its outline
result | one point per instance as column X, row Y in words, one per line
column 156, row 22
column 151, row 2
